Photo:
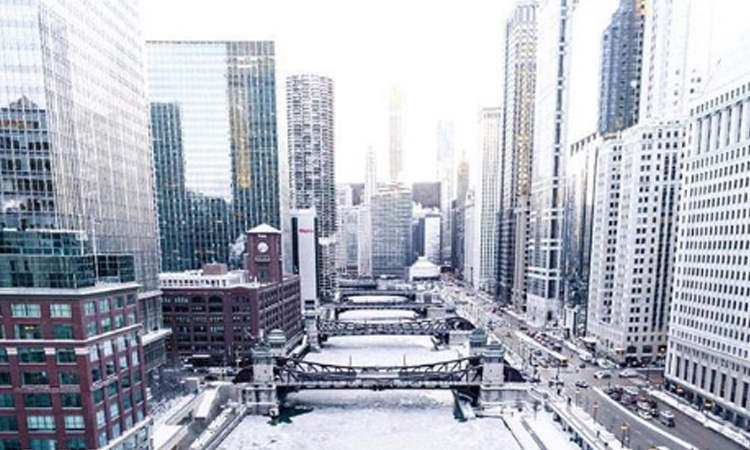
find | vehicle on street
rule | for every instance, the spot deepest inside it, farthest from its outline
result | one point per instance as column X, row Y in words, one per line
column 602, row 374
column 645, row 414
column 582, row 384
column 666, row 417
column 582, row 365
column 628, row 373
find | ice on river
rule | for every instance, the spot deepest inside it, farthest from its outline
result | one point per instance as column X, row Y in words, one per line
column 389, row 420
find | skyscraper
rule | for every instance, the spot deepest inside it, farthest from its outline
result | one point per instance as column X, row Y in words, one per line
column 396, row 136
column 230, row 167
column 74, row 135
column 520, row 79
column 622, row 54
column 391, row 230
column 446, row 175
column 708, row 357
column 491, row 125
column 310, row 136
column 458, row 229
column 364, row 265
column 544, row 273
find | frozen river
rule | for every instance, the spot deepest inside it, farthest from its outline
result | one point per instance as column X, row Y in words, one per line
column 389, row 420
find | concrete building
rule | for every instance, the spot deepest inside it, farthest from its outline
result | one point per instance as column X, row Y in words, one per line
column 302, row 252
column 544, row 273
column 347, row 240
column 633, row 241
column 223, row 313
column 391, row 231
column 396, row 136
column 622, row 53
column 72, row 362
column 470, row 268
column 364, row 264
column 310, row 137
column 708, row 357
column 488, row 200
column 446, row 175
column 518, row 141
column 426, row 227
column 74, row 128
column 457, row 225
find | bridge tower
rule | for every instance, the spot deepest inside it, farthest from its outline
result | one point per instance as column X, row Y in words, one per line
column 260, row 394
column 493, row 373
column 311, row 329
column 277, row 342
column 477, row 341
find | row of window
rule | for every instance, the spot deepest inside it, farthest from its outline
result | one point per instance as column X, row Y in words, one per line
column 42, row 423
column 41, row 377
column 43, row 444
column 38, row 355
column 35, row 310
column 41, row 400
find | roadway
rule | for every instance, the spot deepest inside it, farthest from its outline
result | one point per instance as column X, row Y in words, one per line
column 638, row 435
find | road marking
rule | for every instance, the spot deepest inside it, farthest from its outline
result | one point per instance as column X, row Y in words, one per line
column 649, row 425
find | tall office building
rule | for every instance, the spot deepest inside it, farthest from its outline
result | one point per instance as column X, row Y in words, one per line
column 396, row 136
column 469, row 240
column 633, row 241
column 491, row 126
column 364, row 265
column 74, row 135
column 229, row 169
column 310, row 136
column 446, row 175
column 544, row 299
column 457, row 208
column 391, row 231
column 518, row 141
column 708, row 358
column 622, row 52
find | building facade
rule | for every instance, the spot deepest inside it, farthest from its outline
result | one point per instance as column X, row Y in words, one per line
column 364, row 263
column 396, row 136
column 544, row 273
column 72, row 366
column 310, row 137
column 74, row 144
column 303, row 253
column 622, row 53
column 632, row 263
column 224, row 175
column 518, row 142
column 446, row 176
column 391, row 231
column 491, row 125
column 708, row 358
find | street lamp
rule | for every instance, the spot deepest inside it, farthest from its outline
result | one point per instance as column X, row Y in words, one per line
column 596, row 408
column 624, row 428
column 578, row 397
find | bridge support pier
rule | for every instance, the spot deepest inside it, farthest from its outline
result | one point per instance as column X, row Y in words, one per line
column 260, row 395
column 311, row 328
column 493, row 375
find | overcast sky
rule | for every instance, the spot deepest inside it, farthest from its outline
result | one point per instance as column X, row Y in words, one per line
column 447, row 57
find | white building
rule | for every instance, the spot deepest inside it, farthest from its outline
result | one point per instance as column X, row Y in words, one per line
column 364, row 251
column 470, row 270
column 446, row 174
column 708, row 359
column 633, row 241
column 396, row 136
column 423, row 269
column 303, row 239
column 545, row 233
column 347, row 239
column 491, row 125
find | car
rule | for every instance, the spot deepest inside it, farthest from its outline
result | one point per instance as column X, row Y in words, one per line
column 602, row 374
column 628, row 373
column 582, row 384
column 666, row 417
column 645, row 414
column 582, row 365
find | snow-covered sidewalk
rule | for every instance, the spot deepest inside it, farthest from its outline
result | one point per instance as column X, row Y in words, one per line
column 701, row 418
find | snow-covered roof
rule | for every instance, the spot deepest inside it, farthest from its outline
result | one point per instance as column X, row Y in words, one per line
column 424, row 263
column 264, row 229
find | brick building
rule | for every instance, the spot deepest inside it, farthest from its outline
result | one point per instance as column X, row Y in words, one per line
column 221, row 314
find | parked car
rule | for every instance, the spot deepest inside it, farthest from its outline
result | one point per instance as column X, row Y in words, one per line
column 666, row 417
column 645, row 414
column 628, row 373
column 602, row 374
column 582, row 384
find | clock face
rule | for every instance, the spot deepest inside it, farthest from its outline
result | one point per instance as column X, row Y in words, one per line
column 262, row 247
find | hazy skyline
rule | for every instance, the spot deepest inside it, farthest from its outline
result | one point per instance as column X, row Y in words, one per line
column 447, row 59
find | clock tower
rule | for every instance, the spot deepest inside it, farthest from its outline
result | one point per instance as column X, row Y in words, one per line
column 263, row 254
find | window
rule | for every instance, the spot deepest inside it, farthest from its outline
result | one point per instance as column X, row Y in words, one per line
column 7, row 401
column 112, row 389
column 3, row 355
column 62, row 331
column 101, row 419
column 66, row 355
column 107, row 348
column 104, row 305
column 91, row 328
column 96, row 374
column 35, row 377
column 106, row 324
column 41, row 423
column 98, row 396
column 114, row 410
column 43, row 444
column 119, row 321
column 89, row 308
column 10, row 444
column 75, row 444
column 25, row 310
column 74, row 423
column 68, row 378
column 8, row 423
column 93, row 353
column 103, row 439
column 71, row 400
column 28, row 331
column 37, row 400
column 31, row 355
column 119, row 302
column 59, row 310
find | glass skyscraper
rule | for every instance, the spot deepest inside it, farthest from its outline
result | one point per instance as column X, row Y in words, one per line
column 213, row 121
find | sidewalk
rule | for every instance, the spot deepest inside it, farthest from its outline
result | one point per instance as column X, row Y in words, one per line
column 722, row 428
